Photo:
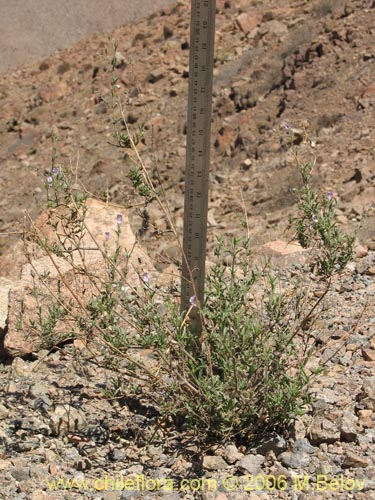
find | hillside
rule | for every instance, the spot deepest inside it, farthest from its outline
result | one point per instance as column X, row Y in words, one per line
column 308, row 63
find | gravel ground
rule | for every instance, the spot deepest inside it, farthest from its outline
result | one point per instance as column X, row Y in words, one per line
column 57, row 424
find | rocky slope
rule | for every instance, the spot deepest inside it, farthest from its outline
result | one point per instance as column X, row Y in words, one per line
column 66, row 433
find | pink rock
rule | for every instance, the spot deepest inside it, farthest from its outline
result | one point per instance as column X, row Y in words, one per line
column 360, row 251
column 247, row 21
column 282, row 252
column 281, row 248
column 52, row 91
column 71, row 283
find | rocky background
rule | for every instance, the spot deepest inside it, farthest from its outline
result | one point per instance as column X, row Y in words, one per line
column 308, row 64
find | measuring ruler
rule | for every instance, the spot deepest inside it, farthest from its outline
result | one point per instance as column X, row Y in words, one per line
column 201, row 62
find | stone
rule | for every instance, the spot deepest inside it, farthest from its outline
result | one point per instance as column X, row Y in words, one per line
column 67, row 419
column 34, row 424
column 52, row 91
column 20, row 368
column 275, row 27
column 168, row 30
column 294, row 460
column 5, row 286
column 39, row 495
column 120, row 60
column 251, row 464
column 360, row 251
column 21, row 473
column 366, row 418
column 303, row 446
column 172, row 253
column 4, row 412
column 249, row 20
column 224, row 141
column 231, row 454
column 353, row 460
column 282, row 252
column 156, row 75
column 368, row 354
column 156, row 123
column 275, row 443
column 99, row 239
column 367, row 393
column 324, row 430
column 213, row 462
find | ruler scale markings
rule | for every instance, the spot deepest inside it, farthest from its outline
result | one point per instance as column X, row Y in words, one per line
column 202, row 32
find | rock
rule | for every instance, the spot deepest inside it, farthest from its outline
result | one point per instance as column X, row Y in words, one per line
column 348, row 427
column 156, row 123
column 213, row 462
column 283, row 253
column 366, row 418
column 24, row 446
column 21, row 473
column 360, row 251
column 324, row 430
column 354, row 461
column 231, row 454
column 251, row 464
column 120, row 60
column 249, row 20
column 294, row 460
column 276, row 443
column 368, row 354
column 275, row 27
column 53, row 91
column 221, row 496
column 33, row 424
column 4, row 412
column 5, row 286
column 211, row 221
column 156, row 75
column 20, row 368
column 168, row 30
column 303, row 446
column 67, row 419
column 224, row 141
column 39, row 495
column 101, row 225
column 367, row 394
column 38, row 389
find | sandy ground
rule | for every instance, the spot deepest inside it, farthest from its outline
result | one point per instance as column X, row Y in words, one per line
column 33, row 29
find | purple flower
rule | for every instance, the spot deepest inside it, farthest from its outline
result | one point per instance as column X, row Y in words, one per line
column 288, row 128
column 314, row 219
column 107, row 235
column 119, row 219
column 49, row 179
column 55, row 170
column 330, row 195
column 145, row 278
column 193, row 301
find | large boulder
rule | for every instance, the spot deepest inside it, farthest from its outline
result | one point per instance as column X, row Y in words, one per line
column 63, row 262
